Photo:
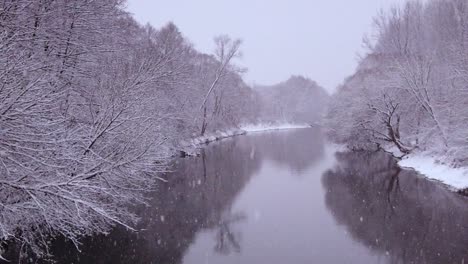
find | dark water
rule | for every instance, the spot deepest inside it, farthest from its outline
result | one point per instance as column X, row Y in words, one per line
column 284, row 197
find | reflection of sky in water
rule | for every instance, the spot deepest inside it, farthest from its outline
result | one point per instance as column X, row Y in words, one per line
column 267, row 198
column 286, row 222
column 395, row 212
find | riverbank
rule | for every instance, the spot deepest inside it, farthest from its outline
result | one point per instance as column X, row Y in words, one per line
column 252, row 128
column 432, row 168
column 189, row 147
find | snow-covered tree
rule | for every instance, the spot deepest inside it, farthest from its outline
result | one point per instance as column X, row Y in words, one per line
column 409, row 92
column 92, row 105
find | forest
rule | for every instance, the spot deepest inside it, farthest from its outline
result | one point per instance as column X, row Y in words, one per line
column 409, row 92
column 93, row 107
column 305, row 105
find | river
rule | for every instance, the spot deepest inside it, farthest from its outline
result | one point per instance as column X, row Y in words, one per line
column 286, row 197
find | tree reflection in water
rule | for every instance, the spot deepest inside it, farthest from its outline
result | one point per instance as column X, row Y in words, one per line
column 391, row 211
column 227, row 241
column 199, row 196
column 396, row 213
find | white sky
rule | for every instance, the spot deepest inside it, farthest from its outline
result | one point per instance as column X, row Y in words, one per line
column 319, row 39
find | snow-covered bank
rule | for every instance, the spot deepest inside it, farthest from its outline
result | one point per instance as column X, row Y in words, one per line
column 189, row 147
column 244, row 129
column 218, row 135
column 455, row 178
column 268, row 127
column 430, row 167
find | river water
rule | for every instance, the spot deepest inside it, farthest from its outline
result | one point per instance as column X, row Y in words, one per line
column 286, row 197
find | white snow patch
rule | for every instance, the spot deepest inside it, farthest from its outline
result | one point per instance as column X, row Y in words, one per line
column 268, row 127
column 211, row 137
column 197, row 142
column 456, row 178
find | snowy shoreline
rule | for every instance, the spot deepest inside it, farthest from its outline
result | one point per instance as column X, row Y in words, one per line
column 429, row 166
column 455, row 178
column 252, row 128
column 189, row 147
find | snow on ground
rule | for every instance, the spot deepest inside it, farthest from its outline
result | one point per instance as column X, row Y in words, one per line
column 456, row 178
column 210, row 137
column 268, row 127
column 188, row 147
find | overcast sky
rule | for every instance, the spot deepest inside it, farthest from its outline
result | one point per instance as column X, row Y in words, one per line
column 319, row 39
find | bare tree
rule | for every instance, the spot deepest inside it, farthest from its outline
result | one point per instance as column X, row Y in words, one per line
column 226, row 51
column 92, row 105
column 411, row 83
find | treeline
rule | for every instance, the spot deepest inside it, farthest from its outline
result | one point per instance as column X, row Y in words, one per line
column 296, row 100
column 92, row 104
column 411, row 91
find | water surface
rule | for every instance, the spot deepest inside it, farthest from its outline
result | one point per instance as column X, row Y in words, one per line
column 285, row 197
